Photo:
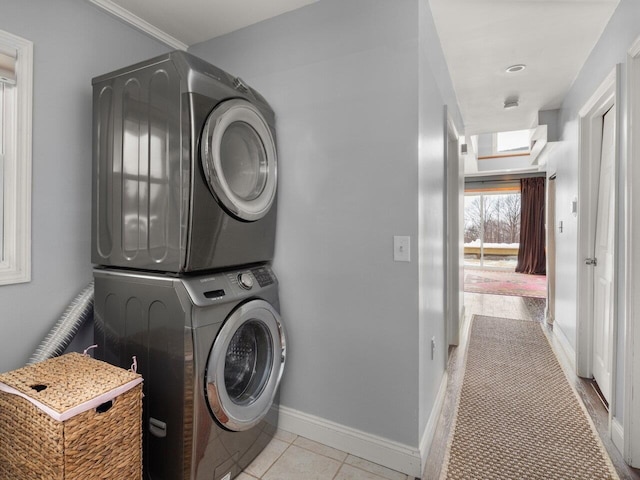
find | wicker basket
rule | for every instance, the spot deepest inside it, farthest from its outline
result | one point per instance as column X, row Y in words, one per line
column 71, row 417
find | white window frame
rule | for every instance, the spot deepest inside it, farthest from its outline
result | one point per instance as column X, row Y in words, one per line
column 15, row 261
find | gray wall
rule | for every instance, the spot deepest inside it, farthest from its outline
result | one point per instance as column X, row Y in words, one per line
column 343, row 79
column 435, row 91
column 611, row 49
column 73, row 42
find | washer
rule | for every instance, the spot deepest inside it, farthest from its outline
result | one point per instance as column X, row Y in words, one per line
column 211, row 350
column 184, row 168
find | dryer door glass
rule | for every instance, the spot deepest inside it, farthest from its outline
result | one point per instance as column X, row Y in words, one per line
column 239, row 159
column 245, row 366
column 244, row 161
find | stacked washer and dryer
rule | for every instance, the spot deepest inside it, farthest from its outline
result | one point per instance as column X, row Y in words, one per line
column 183, row 232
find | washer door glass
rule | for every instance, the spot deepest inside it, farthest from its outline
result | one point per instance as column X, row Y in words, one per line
column 239, row 159
column 245, row 366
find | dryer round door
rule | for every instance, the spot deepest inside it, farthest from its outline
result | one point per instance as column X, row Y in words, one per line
column 245, row 366
column 239, row 159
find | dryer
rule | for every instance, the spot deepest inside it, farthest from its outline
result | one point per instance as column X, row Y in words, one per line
column 211, row 350
column 184, row 168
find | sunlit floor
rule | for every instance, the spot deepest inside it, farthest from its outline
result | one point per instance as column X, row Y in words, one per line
column 504, row 306
column 291, row 457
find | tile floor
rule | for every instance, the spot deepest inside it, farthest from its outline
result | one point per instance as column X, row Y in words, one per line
column 291, row 457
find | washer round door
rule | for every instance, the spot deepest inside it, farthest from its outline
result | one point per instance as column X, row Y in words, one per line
column 239, row 159
column 245, row 366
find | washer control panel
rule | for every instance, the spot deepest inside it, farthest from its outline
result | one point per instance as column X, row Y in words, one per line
column 227, row 286
column 245, row 280
column 263, row 275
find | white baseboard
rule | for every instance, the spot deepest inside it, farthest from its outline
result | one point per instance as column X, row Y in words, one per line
column 394, row 455
column 567, row 351
column 465, row 329
column 617, row 434
column 430, row 429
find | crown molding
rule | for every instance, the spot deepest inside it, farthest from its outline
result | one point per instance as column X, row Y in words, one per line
column 138, row 23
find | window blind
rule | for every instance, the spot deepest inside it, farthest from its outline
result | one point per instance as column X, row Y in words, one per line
column 7, row 68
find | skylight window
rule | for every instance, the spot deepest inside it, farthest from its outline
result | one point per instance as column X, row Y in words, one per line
column 515, row 141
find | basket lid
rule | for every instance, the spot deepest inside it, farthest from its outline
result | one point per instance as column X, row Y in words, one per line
column 68, row 385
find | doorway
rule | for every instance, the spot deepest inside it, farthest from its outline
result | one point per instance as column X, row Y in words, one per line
column 492, row 228
column 492, row 237
column 597, row 289
column 453, row 221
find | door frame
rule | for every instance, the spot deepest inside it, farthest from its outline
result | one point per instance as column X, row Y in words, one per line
column 631, row 402
column 453, row 172
column 590, row 146
column 551, row 240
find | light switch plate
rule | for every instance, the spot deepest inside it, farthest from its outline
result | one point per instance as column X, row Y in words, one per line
column 401, row 248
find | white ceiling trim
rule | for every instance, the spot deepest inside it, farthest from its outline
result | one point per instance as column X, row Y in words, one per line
column 137, row 22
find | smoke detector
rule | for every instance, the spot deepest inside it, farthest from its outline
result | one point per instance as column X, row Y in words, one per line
column 516, row 68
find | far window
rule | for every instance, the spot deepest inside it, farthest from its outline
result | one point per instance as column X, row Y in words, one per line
column 16, row 66
column 515, row 141
column 492, row 228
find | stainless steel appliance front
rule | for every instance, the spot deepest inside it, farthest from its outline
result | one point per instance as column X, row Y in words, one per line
column 185, row 168
column 211, row 350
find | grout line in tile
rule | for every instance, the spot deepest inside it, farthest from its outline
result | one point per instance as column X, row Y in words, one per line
column 340, row 467
column 322, row 455
column 274, row 462
column 371, row 473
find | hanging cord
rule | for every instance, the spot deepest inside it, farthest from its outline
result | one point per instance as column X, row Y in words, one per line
column 86, row 350
column 134, row 365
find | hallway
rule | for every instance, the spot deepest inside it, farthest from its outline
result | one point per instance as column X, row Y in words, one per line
column 521, row 308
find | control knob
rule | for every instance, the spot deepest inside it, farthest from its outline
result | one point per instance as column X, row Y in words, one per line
column 245, row 280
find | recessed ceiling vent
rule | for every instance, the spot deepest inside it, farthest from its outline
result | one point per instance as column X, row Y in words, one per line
column 510, row 103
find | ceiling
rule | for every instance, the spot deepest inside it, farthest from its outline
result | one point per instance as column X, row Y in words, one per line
column 480, row 39
column 194, row 21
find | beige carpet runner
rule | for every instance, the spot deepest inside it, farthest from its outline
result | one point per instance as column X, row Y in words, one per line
column 517, row 416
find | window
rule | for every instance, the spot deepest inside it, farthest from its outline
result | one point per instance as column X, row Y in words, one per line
column 516, row 141
column 16, row 79
column 492, row 228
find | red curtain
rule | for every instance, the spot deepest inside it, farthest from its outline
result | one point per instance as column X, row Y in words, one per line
column 531, row 256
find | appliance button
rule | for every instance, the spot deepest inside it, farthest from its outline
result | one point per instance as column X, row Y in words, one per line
column 245, row 280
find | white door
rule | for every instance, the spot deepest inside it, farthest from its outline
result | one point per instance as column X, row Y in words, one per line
column 604, row 269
